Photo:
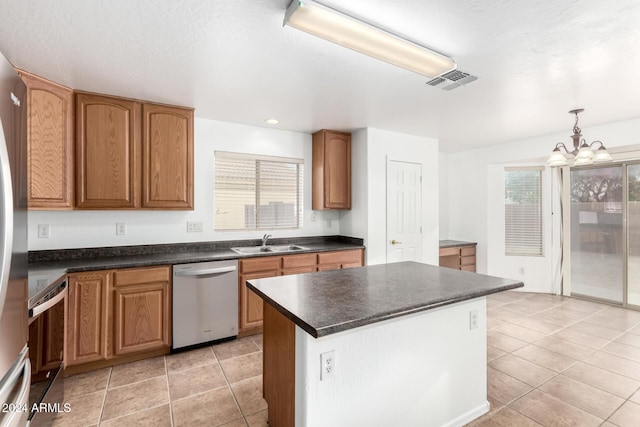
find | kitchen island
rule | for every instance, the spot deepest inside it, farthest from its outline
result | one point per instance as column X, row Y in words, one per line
column 391, row 344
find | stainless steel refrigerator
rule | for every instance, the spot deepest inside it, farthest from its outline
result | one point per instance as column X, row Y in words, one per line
column 15, row 369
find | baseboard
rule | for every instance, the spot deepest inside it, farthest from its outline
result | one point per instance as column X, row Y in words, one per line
column 469, row 416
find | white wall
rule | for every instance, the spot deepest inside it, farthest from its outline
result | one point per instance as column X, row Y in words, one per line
column 439, row 379
column 76, row 229
column 475, row 209
column 369, row 212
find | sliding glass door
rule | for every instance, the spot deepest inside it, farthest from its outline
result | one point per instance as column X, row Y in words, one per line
column 597, row 250
column 633, row 221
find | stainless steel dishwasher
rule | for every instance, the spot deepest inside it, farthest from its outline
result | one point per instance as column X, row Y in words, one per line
column 205, row 302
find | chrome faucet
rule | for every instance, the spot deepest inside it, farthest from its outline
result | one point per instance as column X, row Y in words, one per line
column 264, row 239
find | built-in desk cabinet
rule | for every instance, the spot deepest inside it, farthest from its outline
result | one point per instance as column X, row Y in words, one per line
column 461, row 256
column 250, row 310
column 118, row 314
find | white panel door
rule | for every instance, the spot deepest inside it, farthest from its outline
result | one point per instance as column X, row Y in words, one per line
column 404, row 211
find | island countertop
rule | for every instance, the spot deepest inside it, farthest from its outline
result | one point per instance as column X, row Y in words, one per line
column 329, row 302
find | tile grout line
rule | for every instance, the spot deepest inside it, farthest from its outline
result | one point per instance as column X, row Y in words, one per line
column 104, row 400
column 166, row 376
column 224, row 374
column 578, row 360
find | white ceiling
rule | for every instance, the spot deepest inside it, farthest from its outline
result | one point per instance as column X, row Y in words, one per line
column 234, row 61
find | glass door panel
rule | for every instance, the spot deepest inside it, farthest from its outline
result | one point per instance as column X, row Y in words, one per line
column 633, row 223
column 597, row 255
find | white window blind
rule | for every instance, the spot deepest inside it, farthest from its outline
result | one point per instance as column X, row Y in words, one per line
column 257, row 192
column 523, row 211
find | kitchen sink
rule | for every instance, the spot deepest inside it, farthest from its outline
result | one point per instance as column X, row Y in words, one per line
column 247, row 250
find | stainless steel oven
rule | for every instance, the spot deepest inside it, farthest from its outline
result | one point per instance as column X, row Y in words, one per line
column 47, row 305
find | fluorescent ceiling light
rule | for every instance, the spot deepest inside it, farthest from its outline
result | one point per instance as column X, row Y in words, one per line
column 349, row 32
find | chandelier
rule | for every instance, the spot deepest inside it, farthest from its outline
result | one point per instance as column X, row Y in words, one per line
column 584, row 153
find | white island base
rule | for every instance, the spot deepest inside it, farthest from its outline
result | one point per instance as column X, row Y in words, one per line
column 419, row 370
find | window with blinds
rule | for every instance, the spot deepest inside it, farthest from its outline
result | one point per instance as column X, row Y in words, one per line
column 523, row 211
column 257, row 192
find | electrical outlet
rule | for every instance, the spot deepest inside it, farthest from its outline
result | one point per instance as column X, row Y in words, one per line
column 313, row 216
column 194, row 227
column 327, row 365
column 44, row 231
column 473, row 319
column 329, row 223
column 121, row 228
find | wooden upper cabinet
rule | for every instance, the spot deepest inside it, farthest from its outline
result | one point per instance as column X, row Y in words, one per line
column 108, row 150
column 50, row 144
column 331, row 175
column 167, row 157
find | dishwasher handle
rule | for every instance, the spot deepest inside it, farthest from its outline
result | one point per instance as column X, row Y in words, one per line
column 206, row 271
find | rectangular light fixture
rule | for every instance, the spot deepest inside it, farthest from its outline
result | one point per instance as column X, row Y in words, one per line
column 336, row 27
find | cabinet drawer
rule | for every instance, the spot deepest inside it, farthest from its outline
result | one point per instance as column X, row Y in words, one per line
column 468, row 250
column 299, row 270
column 449, row 251
column 340, row 257
column 138, row 276
column 468, row 260
column 260, row 264
column 471, row 268
column 295, row 261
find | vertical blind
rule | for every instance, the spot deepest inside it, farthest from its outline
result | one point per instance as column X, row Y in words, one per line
column 523, row 211
column 257, row 192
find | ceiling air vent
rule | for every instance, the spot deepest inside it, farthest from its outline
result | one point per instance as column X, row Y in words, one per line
column 452, row 80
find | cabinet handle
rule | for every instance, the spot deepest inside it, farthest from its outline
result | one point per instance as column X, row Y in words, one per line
column 205, row 272
column 395, row 242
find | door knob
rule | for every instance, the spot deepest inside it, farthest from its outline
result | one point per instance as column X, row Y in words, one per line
column 395, row 242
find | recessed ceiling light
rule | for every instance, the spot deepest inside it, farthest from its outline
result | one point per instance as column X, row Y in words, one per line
column 272, row 121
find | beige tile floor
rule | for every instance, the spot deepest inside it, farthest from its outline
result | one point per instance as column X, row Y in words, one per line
column 552, row 361
column 220, row 385
column 557, row 361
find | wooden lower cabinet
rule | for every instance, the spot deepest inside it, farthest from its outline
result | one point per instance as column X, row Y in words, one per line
column 87, row 320
column 141, row 309
column 117, row 313
column 340, row 259
column 297, row 264
column 461, row 257
column 251, row 311
column 46, row 342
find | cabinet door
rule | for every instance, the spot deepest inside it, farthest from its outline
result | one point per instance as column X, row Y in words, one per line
column 46, row 340
column 331, row 174
column 53, row 336
column 141, row 318
column 50, row 144
column 167, row 157
column 337, row 177
column 108, row 152
column 341, row 259
column 306, row 262
column 141, row 309
column 87, row 328
column 250, row 303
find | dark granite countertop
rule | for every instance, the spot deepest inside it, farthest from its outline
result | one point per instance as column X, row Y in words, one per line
column 454, row 243
column 328, row 302
column 78, row 260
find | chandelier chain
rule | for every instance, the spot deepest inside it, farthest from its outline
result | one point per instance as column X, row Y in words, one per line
column 576, row 129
